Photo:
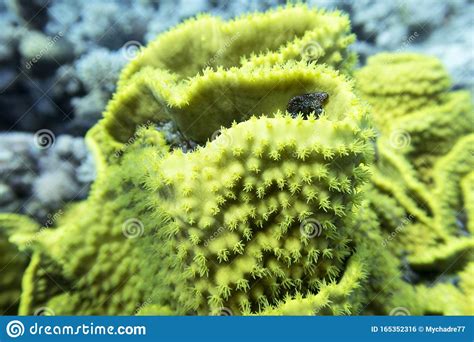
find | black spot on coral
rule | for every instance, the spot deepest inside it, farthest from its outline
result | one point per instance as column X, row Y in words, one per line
column 307, row 104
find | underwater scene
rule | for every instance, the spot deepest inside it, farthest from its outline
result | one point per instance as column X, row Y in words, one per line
column 217, row 157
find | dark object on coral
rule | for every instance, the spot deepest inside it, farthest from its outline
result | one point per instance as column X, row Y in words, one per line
column 307, row 103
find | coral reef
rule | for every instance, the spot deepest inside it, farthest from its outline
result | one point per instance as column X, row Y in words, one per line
column 59, row 67
column 38, row 180
column 269, row 188
column 314, row 185
column 43, row 57
column 13, row 261
column 422, row 179
column 265, row 177
column 238, row 60
column 431, row 27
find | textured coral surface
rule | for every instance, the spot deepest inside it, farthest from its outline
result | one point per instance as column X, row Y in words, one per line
column 358, row 203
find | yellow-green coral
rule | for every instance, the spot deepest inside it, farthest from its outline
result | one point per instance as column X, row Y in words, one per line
column 100, row 267
column 239, row 207
column 337, row 144
column 13, row 260
column 206, row 73
column 399, row 84
column 422, row 176
column 275, row 216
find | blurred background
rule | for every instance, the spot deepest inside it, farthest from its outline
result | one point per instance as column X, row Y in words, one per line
column 60, row 60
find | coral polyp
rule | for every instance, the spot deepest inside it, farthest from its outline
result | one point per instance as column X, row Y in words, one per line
column 207, row 73
column 258, row 214
column 422, row 177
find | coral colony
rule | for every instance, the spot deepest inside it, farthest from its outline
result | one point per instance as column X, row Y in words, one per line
column 299, row 186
